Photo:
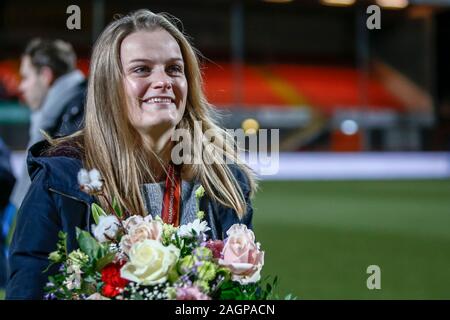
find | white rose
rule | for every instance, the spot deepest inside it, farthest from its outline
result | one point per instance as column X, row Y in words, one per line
column 198, row 226
column 150, row 262
column 107, row 228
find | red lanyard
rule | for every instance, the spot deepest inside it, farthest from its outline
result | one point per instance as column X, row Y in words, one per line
column 170, row 211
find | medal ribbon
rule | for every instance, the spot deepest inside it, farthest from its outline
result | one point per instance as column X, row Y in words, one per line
column 170, row 211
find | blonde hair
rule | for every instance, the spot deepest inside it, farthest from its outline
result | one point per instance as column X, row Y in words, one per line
column 112, row 145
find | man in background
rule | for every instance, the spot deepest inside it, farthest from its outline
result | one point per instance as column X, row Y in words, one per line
column 54, row 90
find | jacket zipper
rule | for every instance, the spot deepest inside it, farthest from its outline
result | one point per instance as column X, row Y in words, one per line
column 76, row 199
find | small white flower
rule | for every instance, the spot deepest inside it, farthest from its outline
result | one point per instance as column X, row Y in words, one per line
column 107, row 228
column 74, row 269
column 198, row 226
column 90, row 181
column 73, row 281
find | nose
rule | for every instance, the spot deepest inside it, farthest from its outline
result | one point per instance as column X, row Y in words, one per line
column 161, row 81
column 165, row 85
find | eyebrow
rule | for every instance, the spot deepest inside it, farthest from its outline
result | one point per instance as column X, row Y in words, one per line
column 149, row 60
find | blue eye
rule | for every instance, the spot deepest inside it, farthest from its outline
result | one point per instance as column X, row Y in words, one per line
column 141, row 69
column 175, row 69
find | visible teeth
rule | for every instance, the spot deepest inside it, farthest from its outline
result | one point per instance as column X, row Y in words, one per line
column 159, row 100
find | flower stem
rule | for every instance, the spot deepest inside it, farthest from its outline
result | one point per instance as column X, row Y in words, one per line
column 111, row 207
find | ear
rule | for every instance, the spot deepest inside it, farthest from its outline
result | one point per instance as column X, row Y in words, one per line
column 47, row 75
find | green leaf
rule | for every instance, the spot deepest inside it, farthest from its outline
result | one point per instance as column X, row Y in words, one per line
column 228, row 295
column 116, row 207
column 97, row 211
column 104, row 261
column 173, row 275
column 88, row 244
column 268, row 289
column 275, row 281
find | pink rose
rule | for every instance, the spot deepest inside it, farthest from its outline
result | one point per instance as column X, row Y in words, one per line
column 140, row 229
column 242, row 255
column 135, row 220
column 147, row 230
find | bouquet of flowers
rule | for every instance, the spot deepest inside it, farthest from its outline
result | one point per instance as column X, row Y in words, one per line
column 141, row 258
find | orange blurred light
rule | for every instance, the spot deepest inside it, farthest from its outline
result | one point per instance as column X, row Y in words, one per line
column 392, row 4
column 340, row 3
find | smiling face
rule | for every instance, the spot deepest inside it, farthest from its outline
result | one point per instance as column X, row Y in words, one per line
column 154, row 80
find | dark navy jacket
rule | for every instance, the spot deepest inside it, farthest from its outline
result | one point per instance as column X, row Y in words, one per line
column 54, row 202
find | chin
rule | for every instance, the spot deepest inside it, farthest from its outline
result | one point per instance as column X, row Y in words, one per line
column 162, row 124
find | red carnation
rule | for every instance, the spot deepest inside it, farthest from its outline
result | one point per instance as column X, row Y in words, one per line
column 112, row 280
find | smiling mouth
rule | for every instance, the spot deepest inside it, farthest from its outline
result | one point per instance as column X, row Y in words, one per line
column 159, row 101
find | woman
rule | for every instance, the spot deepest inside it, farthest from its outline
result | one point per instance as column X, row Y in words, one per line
column 144, row 84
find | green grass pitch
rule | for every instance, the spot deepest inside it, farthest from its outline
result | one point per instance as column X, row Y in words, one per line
column 320, row 237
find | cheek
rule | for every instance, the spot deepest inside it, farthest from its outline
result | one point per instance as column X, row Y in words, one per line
column 28, row 85
column 39, row 85
column 135, row 88
column 182, row 90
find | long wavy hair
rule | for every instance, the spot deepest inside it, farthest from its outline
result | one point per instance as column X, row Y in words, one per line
column 112, row 145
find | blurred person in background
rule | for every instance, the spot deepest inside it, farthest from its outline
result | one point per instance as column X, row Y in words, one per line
column 54, row 90
column 7, row 181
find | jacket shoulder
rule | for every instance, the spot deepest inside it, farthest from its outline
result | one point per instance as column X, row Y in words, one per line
column 59, row 168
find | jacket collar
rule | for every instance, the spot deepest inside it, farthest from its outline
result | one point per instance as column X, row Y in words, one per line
column 63, row 165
